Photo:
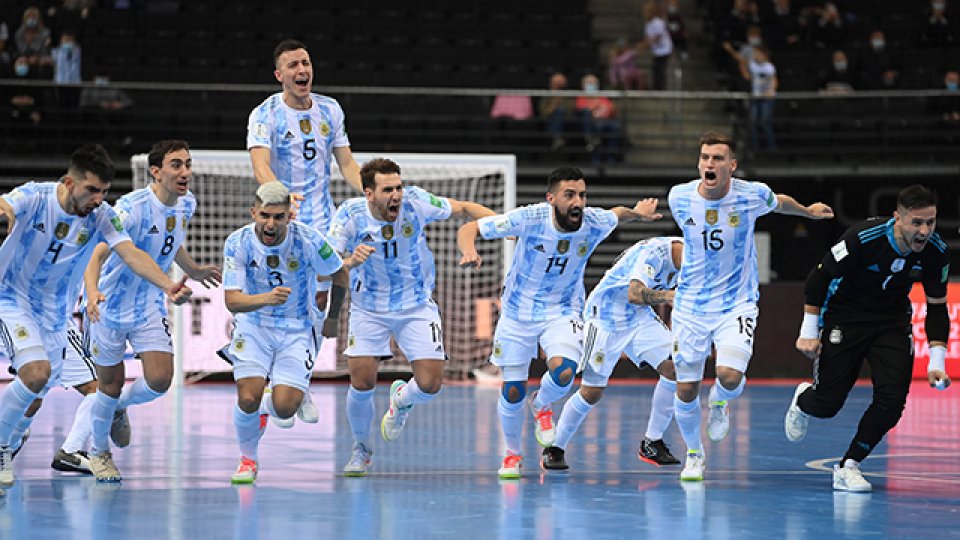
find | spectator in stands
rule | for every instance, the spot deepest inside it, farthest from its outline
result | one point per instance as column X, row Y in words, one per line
column 109, row 106
column 947, row 108
column 879, row 69
column 555, row 110
column 828, row 31
column 937, row 31
column 6, row 60
column 33, row 42
column 762, row 75
column 754, row 40
column 26, row 106
column 677, row 28
column 623, row 73
column 781, row 28
column 656, row 38
column 838, row 79
column 66, row 60
column 601, row 127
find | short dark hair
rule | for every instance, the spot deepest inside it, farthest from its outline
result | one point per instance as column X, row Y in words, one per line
column 376, row 166
column 91, row 158
column 563, row 173
column 159, row 150
column 916, row 196
column 713, row 137
column 286, row 45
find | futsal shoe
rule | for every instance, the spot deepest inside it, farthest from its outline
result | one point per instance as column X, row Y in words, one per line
column 718, row 423
column 6, row 467
column 307, row 412
column 510, row 469
column 849, row 478
column 553, row 459
column 103, row 467
column 396, row 416
column 120, row 428
column 543, row 423
column 71, row 461
column 796, row 421
column 246, row 472
column 360, row 461
column 656, row 453
column 693, row 469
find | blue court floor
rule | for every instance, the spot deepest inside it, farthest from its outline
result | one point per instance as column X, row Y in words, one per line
column 439, row 480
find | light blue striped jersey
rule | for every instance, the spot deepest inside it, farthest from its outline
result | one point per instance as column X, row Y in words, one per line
column 400, row 274
column 301, row 147
column 719, row 271
column 648, row 261
column 253, row 268
column 43, row 258
column 545, row 280
column 157, row 229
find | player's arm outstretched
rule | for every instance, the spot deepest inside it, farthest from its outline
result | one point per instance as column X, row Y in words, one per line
column 789, row 206
column 207, row 275
column 644, row 210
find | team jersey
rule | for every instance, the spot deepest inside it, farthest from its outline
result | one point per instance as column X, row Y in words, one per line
column 157, row 229
column 400, row 274
column 301, row 147
column 43, row 258
column 719, row 270
column 648, row 261
column 253, row 268
column 545, row 280
column 871, row 278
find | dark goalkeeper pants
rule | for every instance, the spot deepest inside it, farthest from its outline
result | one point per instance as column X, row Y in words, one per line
column 889, row 350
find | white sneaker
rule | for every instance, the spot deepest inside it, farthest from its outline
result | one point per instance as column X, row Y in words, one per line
column 718, row 423
column 396, row 416
column 284, row 423
column 796, row 421
column 6, row 467
column 512, row 463
column 849, row 478
column 308, row 411
column 360, row 461
column 543, row 425
column 693, row 468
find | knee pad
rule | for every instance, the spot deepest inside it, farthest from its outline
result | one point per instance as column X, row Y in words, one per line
column 520, row 386
column 565, row 364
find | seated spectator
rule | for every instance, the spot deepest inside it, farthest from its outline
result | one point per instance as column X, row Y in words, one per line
column 33, row 43
column 512, row 106
column 828, row 31
column 555, row 110
column 601, row 127
column 947, row 108
column 878, row 67
column 937, row 31
column 838, row 79
column 623, row 73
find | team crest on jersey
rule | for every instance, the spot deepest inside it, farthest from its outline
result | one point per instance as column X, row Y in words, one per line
column 407, row 229
column 82, row 237
column 351, row 341
column 497, row 349
column 305, row 126
column 598, row 359
column 293, row 265
column 711, row 216
column 563, row 246
column 20, row 333
column 676, row 349
column 897, row 265
column 95, row 349
column 387, row 232
column 836, row 336
column 61, row 230
column 273, row 261
column 733, row 219
column 324, row 129
column 239, row 344
column 171, row 223
column 583, row 248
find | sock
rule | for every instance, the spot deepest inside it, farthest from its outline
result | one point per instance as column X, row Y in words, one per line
column 248, row 431
column 549, row 391
column 661, row 408
column 14, row 401
column 360, row 412
column 688, row 418
column 16, row 438
column 101, row 417
column 511, row 422
column 413, row 395
column 574, row 412
column 136, row 393
column 719, row 393
column 80, row 430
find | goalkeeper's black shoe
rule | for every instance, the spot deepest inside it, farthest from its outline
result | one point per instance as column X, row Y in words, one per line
column 553, row 459
column 224, row 354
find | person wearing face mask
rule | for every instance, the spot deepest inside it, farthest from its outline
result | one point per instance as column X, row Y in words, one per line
column 839, row 78
column 66, row 60
column 601, row 127
column 879, row 68
column 937, row 31
column 32, row 41
column 947, row 108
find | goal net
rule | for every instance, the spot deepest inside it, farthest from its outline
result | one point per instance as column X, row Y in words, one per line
column 223, row 184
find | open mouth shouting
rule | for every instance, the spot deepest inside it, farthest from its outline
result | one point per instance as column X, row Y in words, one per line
column 270, row 236
column 302, row 82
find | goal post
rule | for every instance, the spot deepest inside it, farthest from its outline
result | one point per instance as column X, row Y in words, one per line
column 224, row 185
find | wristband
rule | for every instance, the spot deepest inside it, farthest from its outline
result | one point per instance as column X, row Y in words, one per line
column 810, row 327
column 938, row 359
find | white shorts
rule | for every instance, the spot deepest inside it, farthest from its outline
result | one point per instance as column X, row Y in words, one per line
column 418, row 332
column 19, row 332
column 693, row 336
column 285, row 356
column 107, row 345
column 78, row 367
column 648, row 343
column 515, row 342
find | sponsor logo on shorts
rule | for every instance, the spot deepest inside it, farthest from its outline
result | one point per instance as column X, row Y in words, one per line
column 239, row 345
column 836, row 336
column 20, row 332
column 497, row 349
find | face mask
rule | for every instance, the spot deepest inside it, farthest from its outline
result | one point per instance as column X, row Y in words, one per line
column 952, row 86
column 939, row 6
column 840, row 66
column 30, row 23
column 591, row 88
column 67, row 46
column 22, row 70
column 754, row 41
column 877, row 44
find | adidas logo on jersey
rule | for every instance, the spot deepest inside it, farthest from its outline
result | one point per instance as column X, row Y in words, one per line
column 539, row 247
column 689, row 221
column 289, row 135
column 153, row 230
column 40, row 227
column 367, row 238
column 253, row 264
